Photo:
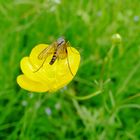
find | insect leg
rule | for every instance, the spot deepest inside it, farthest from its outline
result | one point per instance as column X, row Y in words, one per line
column 41, row 65
column 69, row 64
column 68, row 44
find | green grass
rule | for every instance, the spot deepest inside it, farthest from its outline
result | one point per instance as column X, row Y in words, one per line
column 89, row 26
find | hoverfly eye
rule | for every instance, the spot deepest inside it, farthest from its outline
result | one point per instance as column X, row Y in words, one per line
column 60, row 40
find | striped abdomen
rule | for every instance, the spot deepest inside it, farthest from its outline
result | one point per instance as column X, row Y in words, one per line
column 53, row 58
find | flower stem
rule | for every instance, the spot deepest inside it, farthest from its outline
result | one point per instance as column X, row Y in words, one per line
column 86, row 97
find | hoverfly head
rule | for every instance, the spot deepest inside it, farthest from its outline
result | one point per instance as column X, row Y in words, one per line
column 61, row 41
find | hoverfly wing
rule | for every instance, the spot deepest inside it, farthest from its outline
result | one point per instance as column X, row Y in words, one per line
column 49, row 50
column 62, row 52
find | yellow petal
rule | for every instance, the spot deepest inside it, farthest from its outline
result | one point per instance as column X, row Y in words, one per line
column 29, row 71
column 30, row 85
column 63, row 72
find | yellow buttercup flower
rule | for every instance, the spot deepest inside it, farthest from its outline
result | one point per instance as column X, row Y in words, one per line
column 48, row 77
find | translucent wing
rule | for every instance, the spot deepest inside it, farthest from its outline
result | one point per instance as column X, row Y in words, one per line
column 62, row 52
column 49, row 50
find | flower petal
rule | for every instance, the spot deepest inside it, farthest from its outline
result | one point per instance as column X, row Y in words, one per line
column 30, row 85
column 28, row 69
column 63, row 69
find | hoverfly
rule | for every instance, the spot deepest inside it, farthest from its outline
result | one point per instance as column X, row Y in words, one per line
column 59, row 51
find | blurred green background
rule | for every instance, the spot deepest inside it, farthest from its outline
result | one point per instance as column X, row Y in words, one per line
column 89, row 26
